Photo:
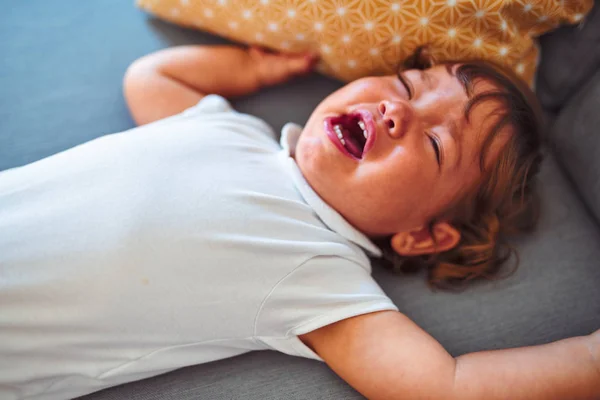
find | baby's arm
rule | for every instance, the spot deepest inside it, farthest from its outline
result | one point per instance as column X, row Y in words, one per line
column 169, row 81
column 385, row 355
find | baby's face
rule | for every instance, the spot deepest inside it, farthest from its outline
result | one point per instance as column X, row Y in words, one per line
column 388, row 161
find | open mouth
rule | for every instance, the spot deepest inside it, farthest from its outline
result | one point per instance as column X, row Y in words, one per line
column 352, row 132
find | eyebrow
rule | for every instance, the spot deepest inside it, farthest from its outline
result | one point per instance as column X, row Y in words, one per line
column 425, row 77
column 451, row 72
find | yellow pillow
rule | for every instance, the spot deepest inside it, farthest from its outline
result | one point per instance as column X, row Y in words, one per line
column 356, row 38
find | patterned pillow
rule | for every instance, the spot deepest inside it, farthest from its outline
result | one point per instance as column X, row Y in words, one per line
column 370, row 37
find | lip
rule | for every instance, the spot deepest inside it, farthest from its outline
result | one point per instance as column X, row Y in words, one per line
column 367, row 117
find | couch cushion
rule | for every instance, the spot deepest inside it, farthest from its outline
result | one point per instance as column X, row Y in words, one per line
column 576, row 141
column 367, row 37
column 569, row 57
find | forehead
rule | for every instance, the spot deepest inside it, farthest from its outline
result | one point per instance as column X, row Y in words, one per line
column 482, row 140
column 450, row 75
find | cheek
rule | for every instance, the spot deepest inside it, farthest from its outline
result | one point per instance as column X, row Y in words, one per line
column 402, row 166
column 397, row 179
column 363, row 90
column 365, row 86
column 307, row 150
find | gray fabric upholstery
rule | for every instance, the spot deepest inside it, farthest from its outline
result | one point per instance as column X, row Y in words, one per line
column 254, row 376
column 61, row 77
column 569, row 56
column 576, row 140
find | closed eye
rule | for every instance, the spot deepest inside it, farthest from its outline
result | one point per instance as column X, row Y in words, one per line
column 435, row 143
column 407, row 85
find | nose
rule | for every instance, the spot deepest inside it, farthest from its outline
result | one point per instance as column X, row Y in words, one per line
column 397, row 116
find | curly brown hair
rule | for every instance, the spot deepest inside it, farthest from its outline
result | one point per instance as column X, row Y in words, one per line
column 504, row 202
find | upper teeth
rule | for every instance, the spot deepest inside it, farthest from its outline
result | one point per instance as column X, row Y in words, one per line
column 363, row 127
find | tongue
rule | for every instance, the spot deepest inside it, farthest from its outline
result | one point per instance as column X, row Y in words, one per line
column 354, row 148
column 353, row 136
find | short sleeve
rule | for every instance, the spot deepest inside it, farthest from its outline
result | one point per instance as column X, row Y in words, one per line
column 323, row 290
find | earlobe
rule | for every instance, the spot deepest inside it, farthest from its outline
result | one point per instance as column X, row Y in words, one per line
column 420, row 241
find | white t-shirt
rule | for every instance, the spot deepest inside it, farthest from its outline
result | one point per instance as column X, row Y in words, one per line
column 188, row 240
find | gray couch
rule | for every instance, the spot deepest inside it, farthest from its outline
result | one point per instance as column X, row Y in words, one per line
column 60, row 85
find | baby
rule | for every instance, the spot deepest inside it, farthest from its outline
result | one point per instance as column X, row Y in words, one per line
column 197, row 237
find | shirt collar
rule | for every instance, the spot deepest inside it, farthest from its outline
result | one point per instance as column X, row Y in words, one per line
column 330, row 217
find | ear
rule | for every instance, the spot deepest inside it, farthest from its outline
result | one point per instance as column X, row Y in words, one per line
column 419, row 241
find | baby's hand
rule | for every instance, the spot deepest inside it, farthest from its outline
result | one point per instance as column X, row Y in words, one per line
column 274, row 68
